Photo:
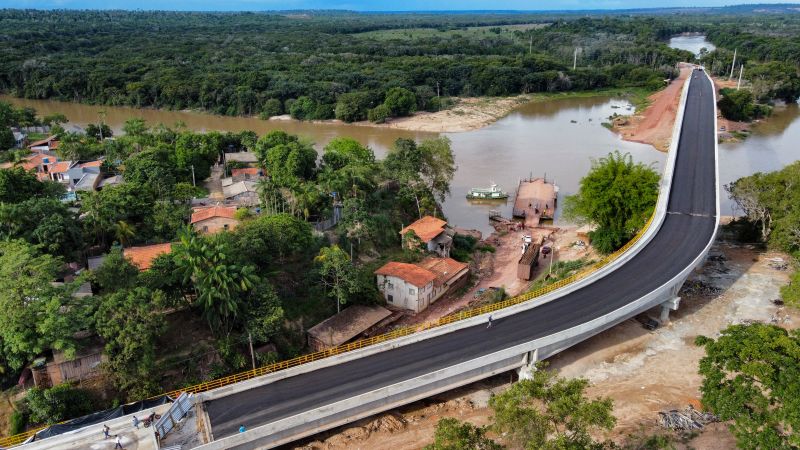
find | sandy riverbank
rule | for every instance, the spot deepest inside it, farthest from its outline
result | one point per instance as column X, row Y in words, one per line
column 643, row 372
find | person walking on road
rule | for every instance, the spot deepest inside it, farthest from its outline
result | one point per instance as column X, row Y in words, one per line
column 105, row 431
column 118, row 443
column 490, row 322
column 136, row 422
column 242, row 429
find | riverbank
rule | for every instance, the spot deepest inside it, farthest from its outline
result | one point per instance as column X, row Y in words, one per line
column 473, row 113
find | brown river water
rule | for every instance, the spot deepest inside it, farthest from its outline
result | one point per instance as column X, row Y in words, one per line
column 557, row 139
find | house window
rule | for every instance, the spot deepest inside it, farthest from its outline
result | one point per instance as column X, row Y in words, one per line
column 225, row 227
column 205, row 229
column 411, row 291
column 390, row 286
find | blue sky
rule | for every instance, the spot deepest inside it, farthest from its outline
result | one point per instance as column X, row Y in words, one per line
column 360, row 5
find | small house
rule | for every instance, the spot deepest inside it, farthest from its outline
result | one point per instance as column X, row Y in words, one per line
column 433, row 234
column 248, row 159
column 241, row 193
column 56, row 368
column 417, row 286
column 142, row 257
column 246, row 174
column 346, row 325
column 213, row 219
column 76, row 176
column 49, row 144
column 19, row 139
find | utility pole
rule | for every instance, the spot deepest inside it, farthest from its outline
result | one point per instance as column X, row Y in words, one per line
column 252, row 354
column 530, row 46
column 193, row 183
column 739, row 83
column 733, row 64
column 575, row 59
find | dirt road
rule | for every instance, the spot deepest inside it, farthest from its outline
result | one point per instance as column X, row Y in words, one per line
column 654, row 125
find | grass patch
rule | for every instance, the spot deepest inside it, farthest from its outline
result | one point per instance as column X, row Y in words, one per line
column 561, row 270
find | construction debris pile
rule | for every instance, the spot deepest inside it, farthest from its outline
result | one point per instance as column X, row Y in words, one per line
column 699, row 288
column 686, row 420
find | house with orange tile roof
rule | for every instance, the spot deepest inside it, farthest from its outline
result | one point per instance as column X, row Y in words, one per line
column 430, row 232
column 77, row 176
column 246, row 174
column 417, row 286
column 212, row 219
column 142, row 257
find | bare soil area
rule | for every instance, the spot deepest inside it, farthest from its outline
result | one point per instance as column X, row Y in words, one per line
column 642, row 371
column 654, row 125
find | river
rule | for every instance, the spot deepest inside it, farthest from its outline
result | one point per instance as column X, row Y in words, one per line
column 554, row 138
column 691, row 42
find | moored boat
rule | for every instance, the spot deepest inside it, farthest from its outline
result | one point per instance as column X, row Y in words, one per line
column 491, row 193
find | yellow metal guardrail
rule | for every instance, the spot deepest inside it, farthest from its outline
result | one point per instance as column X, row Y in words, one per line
column 304, row 359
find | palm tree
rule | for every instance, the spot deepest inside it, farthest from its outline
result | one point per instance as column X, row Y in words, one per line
column 219, row 281
column 123, row 232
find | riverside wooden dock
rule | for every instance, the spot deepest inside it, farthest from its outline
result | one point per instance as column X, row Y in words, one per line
column 535, row 200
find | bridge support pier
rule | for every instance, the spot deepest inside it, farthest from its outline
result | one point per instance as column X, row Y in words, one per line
column 529, row 361
column 669, row 305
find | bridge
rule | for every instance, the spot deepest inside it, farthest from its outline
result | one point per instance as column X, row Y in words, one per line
column 298, row 400
column 285, row 406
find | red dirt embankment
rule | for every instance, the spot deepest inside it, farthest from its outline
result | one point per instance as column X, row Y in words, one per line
column 654, row 125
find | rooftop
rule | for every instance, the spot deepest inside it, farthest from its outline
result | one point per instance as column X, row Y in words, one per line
column 410, row 273
column 426, row 228
column 238, row 188
column 348, row 324
column 244, row 157
column 60, row 167
column 143, row 257
column 50, row 142
column 445, row 269
column 200, row 214
column 246, row 171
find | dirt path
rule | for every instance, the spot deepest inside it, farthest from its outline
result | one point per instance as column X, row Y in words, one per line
column 643, row 372
column 654, row 125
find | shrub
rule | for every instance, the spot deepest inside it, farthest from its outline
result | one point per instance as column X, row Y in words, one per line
column 379, row 114
column 57, row 403
column 17, row 423
column 272, row 107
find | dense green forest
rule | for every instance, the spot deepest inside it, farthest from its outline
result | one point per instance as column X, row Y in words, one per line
column 321, row 65
column 318, row 66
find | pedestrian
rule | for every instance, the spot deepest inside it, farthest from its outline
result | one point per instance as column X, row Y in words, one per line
column 105, row 431
column 136, row 422
column 118, row 443
column 242, row 429
column 490, row 322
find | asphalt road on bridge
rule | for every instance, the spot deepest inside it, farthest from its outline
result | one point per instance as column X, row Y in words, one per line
column 686, row 231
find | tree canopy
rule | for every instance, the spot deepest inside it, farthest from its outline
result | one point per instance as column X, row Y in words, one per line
column 618, row 196
column 750, row 376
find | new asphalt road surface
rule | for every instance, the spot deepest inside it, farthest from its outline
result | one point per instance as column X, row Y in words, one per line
column 686, row 231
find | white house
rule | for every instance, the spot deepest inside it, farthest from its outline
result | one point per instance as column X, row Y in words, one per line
column 417, row 286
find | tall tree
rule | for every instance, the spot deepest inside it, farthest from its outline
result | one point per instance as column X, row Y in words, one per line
column 617, row 195
column 35, row 314
column 337, row 274
column 750, row 376
column 547, row 412
column 130, row 321
column 221, row 282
